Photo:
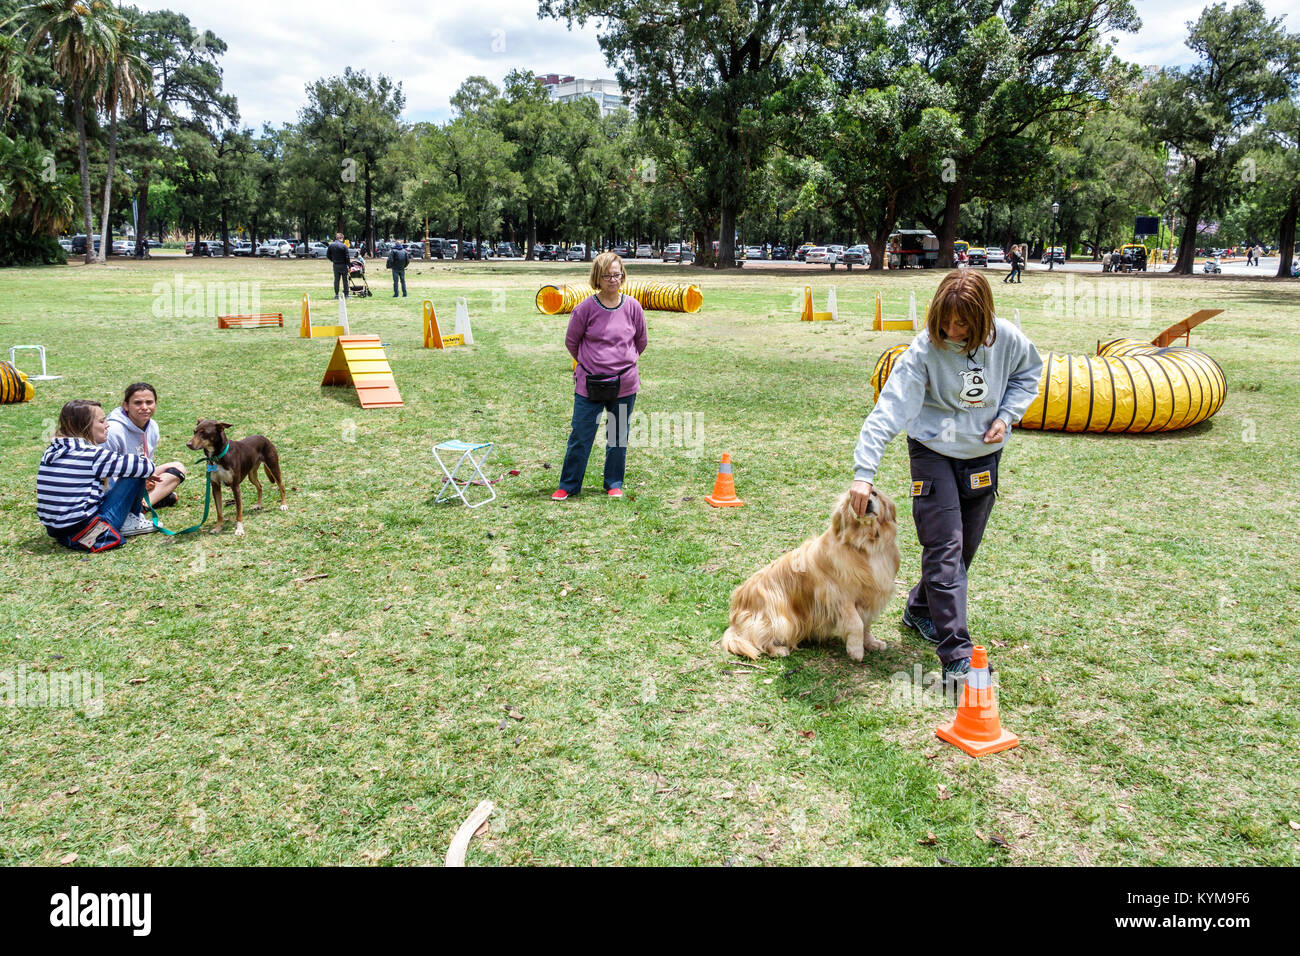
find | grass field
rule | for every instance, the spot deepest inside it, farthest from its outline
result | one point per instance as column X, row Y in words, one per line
column 345, row 683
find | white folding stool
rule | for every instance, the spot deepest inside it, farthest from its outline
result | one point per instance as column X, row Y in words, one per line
column 468, row 453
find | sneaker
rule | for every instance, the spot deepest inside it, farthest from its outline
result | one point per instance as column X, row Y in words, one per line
column 168, row 502
column 955, row 672
column 922, row 625
column 560, row 495
column 135, row 524
column 615, row 492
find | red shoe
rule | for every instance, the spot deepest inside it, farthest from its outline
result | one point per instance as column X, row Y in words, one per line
column 615, row 492
column 560, row 495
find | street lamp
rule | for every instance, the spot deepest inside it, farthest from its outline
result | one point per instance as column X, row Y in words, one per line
column 1051, row 253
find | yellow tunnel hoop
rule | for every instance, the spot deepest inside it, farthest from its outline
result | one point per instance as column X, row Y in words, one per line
column 1128, row 386
column 660, row 296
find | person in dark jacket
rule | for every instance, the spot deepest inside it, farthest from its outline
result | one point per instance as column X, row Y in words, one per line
column 398, row 260
column 337, row 253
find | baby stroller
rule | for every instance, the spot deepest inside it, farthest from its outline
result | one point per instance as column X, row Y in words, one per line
column 357, row 284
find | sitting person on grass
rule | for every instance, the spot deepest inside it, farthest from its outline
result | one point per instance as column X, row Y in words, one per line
column 70, row 498
column 132, row 431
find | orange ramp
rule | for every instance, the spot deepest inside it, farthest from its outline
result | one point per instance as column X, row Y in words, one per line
column 359, row 361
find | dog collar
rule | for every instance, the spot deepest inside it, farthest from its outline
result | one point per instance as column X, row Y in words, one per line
column 212, row 461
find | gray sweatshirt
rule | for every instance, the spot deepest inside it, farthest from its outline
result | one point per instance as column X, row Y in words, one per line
column 947, row 401
column 124, row 438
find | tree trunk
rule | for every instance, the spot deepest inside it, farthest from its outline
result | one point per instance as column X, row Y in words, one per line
column 369, row 240
column 727, row 240
column 142, row 204
column 951, row 219
column 1186, row 261
column 85, row 179
column 105, row 223
column 532, row 232
column 704, row 254
column 1286, row 237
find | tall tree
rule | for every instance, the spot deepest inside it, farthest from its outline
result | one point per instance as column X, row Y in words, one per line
column 82, row 38
column 710, row 67
column 127, row 80
column 1245, row 62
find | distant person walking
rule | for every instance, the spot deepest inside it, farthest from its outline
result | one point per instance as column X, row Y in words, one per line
column 337, row 253
column 398, row 260
column 1017, row 265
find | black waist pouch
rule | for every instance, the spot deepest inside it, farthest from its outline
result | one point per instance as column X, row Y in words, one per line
column 604, row 388
column 977, row 477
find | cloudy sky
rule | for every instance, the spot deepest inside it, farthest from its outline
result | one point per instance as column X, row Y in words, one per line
column 277, row 48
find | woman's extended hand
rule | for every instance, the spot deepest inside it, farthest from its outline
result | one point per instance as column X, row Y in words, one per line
column 859, row 495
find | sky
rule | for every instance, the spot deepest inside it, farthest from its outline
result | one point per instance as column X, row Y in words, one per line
column 276, row 49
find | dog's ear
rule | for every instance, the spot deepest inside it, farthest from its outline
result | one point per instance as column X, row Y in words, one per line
column 223, row 425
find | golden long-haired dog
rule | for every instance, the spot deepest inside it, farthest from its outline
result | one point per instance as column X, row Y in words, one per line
column 832, row 586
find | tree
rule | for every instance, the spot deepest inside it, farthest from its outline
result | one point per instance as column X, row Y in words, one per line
column 710, row 68
column 82, row 37
column 127, row 81
column 1245, row 62
column 530, row 123
column 355, row 119
column 186, row 96
column 1278, row 178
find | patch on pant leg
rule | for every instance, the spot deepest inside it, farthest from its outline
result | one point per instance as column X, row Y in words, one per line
column 920, row 488
column 980, row 480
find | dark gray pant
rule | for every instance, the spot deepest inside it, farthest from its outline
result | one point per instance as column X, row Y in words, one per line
column 340, row 277
column 949, row 527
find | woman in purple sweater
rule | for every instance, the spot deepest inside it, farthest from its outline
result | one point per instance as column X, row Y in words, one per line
column 606, row 337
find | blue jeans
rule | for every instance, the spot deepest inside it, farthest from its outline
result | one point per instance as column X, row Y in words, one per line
column 399, row 273
column 124, row 498
column 582, row 431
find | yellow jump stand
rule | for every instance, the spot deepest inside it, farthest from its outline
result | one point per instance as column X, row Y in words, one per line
column 309, row 331
column 808, row 315
column 882, row 324
column 433, row 337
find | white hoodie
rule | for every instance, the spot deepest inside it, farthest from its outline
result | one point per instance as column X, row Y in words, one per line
column 124, row 438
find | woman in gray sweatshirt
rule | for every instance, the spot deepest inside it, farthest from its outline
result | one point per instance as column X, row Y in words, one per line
column 957, row 390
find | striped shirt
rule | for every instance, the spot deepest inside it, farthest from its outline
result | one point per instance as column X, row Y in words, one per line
column 69, row 485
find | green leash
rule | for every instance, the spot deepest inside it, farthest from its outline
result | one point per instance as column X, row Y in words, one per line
column 207, row 496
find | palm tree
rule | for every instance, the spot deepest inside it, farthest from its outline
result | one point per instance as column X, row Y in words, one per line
column 83, row 38
column 128, row 82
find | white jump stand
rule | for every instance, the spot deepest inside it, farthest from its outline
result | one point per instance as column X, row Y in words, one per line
column 44, row 376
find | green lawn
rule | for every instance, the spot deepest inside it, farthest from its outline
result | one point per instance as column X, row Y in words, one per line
column 345, row 683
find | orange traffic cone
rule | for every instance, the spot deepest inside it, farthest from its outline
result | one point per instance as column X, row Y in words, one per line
column 724, row 489
column 977, row 729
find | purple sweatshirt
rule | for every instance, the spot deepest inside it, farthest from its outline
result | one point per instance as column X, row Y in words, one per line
column 607, row 341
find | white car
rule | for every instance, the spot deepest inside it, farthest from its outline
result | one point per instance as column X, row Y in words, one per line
column 822, row 255
column 577, row 253
column 123, row 247
column 754, row 252
column 276, row 247
column 995, row 254
column 645, row 251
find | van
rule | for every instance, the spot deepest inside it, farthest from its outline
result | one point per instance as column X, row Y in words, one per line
column 441, row 249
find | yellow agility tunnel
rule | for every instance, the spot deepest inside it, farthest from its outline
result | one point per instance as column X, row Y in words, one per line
column 660, row 296
column 1128, row 386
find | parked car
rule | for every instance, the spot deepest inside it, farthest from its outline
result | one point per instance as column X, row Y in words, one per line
column 622, row 249
column 545, row 252
column 780, row 252
column 276, row 247
column 821, row 255
column 508, row 250
column 839, row 252
column 645, row 251
column 243, row 247
column 79, row 244
column 977, row 256
column 416, row 250
column 309, row 250
column 677, row 252
column 802, row 252
column 755, row 252
column 1055, row 254
column 995, row 254
column 576, row 252
column 857, row 256
column 123, row 247
column 65, row 245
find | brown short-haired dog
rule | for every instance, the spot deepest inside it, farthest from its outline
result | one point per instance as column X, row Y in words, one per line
column 835, row 585
column 235, row 461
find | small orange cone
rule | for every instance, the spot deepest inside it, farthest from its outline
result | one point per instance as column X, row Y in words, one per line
column 977, row 729
column 724, row 489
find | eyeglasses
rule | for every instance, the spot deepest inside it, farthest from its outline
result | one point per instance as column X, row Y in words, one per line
column 612, row 275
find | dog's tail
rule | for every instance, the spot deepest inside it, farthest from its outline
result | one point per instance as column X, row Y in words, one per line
column 733, row 643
